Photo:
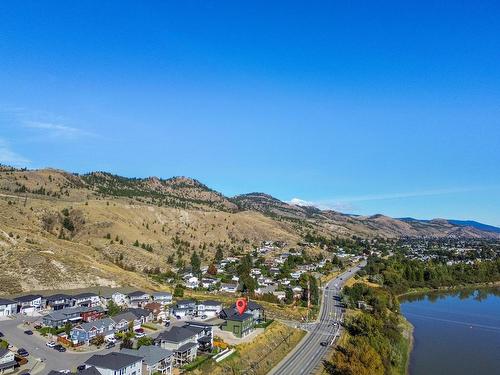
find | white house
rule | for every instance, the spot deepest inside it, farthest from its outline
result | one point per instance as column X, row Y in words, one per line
column 86, row 299
column 7, row 307
column 163, row 298
column 138, row 299
column 116, row 363
column 7, row 361
column 29, row 304
column 228, row 288
column 208, row 308
column 208, row 283
column 182, row 341
column 192, row 282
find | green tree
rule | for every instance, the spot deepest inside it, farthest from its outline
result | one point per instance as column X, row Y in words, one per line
column 144, row 341
column 195, row 263
column 178, row 291
column 219, row 255
column 113, row 308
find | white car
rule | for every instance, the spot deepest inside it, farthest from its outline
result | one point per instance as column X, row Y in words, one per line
column 111, row 339
column 51, row 344
column 140, row 334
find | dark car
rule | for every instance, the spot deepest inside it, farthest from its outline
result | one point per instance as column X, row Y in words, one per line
column 22, row 352
column 60, row 348
column 1, row 334
column 323, row 343
column 81, row 368
column 110, row 345
column 28, row 332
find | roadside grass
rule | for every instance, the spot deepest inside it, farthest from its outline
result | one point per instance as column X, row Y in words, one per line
column 258, row 356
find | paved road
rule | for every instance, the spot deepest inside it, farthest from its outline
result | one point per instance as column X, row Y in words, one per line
column 307, row 355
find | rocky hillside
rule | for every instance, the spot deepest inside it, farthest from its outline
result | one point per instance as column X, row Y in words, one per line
column 62, row 230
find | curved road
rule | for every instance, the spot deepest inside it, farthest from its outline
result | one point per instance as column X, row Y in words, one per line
column 306, row 357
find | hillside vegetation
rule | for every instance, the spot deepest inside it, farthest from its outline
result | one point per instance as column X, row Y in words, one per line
column 60, row 230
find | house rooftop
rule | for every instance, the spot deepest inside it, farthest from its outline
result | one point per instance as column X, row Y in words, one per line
column 84, row 295
column 113, row 361
column 176, row 334
column 27, row 298
column 151, row 354
column 137, row 293
column 7, row 302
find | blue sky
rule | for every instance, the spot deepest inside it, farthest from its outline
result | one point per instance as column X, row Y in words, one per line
column 362, row 107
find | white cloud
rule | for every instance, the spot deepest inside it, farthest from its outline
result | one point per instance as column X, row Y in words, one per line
column 56, row 130
column 9, row 157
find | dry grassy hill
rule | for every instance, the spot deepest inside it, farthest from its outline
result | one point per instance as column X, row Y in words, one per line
column 61, row 230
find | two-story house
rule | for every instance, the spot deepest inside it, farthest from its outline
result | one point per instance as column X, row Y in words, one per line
column 255, row 309
column 137, row 298
column 116, row 363
column 85, row 332
column 125, row 321
column 239, row 325
column 58, row 301
column 184, row 308
column 7, row 307
column 72, row 315
column 208, row 308
column 182, row 342
column 118, row 298
column 86, row 299
column 163, row 298
column 7, row 361
column 204, row 334
column 155, row 360
column 29, row 304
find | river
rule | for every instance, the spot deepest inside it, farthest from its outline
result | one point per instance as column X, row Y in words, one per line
column 455, row 332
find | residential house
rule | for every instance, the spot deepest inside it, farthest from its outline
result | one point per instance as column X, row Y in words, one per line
column 58, row 301
column 184, row 308
column 208, row 308
column 280, row 295
column 209, row 283
column 163, row 298
column 143, row 315
column 59, row 318
column 182, row 341
column 118, row 298
column 255, row 309
column 229, row 287
column 158, row 311
column 116, row 363
column 29, row 304
column 86, row 300
column 155, row 360
column 239, row 325
column 266, row 289
column 297, row 291
column 83, row 333
column 7, row 361
column 7, row 307
column 125, row 321
column 137, row 298
column 192, row 282
column 204, row 334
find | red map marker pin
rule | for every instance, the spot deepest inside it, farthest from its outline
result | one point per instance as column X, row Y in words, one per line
column 241, row 305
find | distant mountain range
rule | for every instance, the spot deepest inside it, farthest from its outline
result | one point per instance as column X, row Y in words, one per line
column 64, row 230
column 461, row 223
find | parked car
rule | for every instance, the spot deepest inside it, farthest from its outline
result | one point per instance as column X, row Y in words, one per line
column 22, row 352
column 65, row 371
column 139, row 330
column 110, row 345
column 323, row 343
column 204, row 317
column 29, row 332
column 60, row 348
column 111, row 339
column 51, row 344
column 37, row 326
column 81, row 367
column 140, row 334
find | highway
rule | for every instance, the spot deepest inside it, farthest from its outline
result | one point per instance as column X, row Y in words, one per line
column 306, row 357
